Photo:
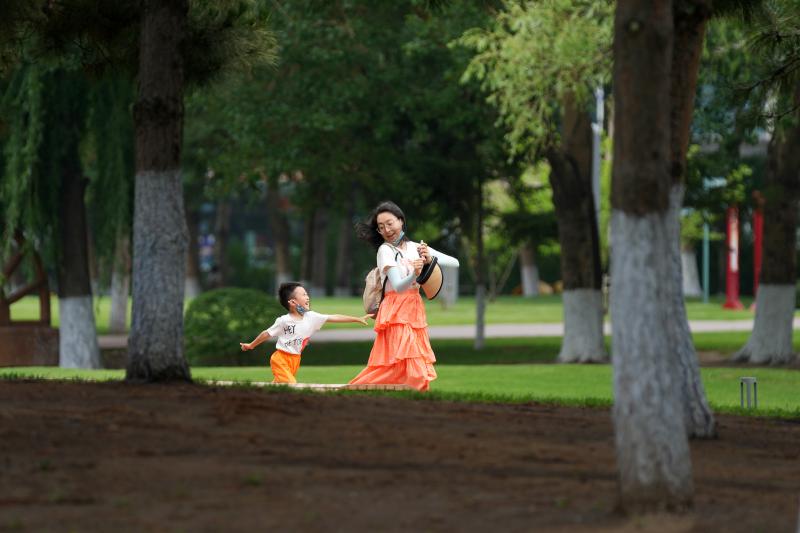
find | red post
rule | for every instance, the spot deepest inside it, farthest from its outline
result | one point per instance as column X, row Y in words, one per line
column 732, row 266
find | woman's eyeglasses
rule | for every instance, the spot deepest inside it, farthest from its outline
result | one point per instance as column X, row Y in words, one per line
column 387, row 226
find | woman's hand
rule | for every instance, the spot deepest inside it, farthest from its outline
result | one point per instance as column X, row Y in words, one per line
column 246, row 346
column 422, row 250
column 418, row 264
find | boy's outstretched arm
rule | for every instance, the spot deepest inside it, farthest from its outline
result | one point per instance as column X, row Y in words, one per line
column 346, row 318
column 258, row 340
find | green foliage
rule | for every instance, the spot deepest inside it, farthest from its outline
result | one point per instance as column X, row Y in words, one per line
column 218, row 320
column 227, row 37
column 109, row 163
column 25, row 196
column 534, row 56
column 46, row 111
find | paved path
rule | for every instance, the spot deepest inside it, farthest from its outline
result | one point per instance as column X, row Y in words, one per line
column 468, row 331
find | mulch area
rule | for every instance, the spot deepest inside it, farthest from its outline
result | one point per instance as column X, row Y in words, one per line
column 122, row 457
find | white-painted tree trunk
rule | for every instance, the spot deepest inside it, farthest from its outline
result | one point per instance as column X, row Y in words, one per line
column 77, row 336
column 529, row 272
column 191, row 287
column 652, row 447
column 155, row 344
column 691, row 277
column 583, row 327
column 698, row 416
column 771, row 339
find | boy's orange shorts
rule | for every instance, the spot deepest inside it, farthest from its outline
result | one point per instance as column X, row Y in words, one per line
column 284, row 366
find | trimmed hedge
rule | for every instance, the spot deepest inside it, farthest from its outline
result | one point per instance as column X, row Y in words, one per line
column 218, row 320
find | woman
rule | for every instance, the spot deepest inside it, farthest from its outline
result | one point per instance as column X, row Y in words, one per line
column 402, row 352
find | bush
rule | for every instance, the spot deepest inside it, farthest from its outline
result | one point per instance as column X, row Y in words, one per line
column 218, row 320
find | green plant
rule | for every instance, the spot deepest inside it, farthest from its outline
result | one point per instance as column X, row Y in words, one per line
column 218, row 320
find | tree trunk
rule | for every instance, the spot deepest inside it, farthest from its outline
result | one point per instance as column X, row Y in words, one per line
column 689, row 22
column 319, row 266
column 307, row 259
column 771, row 339
column 120, row 285
column 570, row 178
column 529, row 272
column 480, row 275
column 192, row 285
column 691, row 275
column 280, row 230
column 699, row 419
column 651, row 442
column 222, row 232
column 78, row 346
column 155, row 346
column 344, row 254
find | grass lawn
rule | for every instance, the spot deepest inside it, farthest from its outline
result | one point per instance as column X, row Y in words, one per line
column 569, row 384
column 505, row 310
column 495, row 351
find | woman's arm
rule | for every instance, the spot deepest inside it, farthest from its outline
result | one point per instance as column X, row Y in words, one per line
column 346, row 318
column 400, row 283
column 258, row 340
column 426, row 252
column 444, row 259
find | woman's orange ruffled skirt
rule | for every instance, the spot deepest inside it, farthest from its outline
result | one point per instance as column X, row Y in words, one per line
column 402, row 353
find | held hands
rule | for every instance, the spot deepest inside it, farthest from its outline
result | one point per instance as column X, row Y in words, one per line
column 363, row 320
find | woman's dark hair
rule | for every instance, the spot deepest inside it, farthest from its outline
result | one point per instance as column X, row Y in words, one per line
column 368, row 230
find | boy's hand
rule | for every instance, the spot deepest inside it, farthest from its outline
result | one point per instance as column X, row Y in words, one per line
column 245, row 346
column 363, row 319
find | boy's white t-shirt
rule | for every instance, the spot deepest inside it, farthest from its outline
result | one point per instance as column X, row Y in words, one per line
column 293, row 334
column 386, row 258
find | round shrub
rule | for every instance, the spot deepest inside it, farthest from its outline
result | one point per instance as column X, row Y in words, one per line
column 218, row 320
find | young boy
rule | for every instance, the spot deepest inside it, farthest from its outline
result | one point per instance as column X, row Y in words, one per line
column 293, row 331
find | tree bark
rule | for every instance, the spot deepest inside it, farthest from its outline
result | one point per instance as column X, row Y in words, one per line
column 689, row 23
column 651, row 441
column 78, row 346
column 155, row 345
column 192, row 285
column 570, row 178
column 771, row 339
column 699, row 419
column 280, row 230
column 529, row 272
column 120, row 285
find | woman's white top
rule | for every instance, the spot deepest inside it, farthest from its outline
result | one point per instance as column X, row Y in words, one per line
column 399, row 267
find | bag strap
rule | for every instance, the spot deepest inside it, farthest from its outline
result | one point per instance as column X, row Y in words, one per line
column 397, row 252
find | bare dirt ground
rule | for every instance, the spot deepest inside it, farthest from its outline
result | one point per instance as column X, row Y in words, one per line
column 117, row 457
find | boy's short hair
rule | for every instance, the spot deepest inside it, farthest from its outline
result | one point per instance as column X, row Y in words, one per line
column 285, row 292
